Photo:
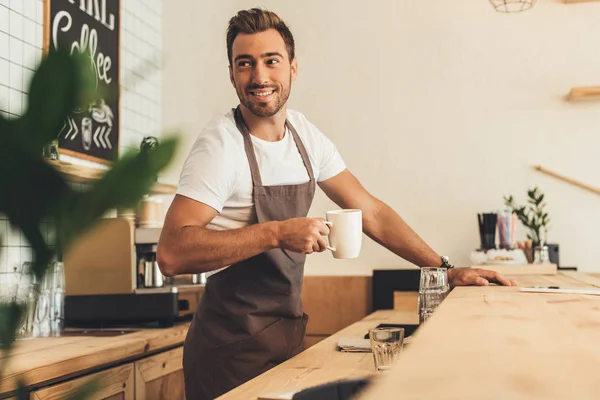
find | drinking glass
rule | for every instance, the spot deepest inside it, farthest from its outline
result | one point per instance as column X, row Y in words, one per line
column 386, row 346
column 57, row 302
column 433, row 289
column 26, row 297
column 42, row 326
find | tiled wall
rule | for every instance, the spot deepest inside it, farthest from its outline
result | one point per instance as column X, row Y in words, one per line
column 21, row 35
column 20, row 50
column 141, row 58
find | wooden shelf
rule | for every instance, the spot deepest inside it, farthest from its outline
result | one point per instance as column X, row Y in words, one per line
column 584, row 93
column 81, row 174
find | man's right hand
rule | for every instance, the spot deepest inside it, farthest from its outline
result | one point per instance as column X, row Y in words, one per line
column 303, row 235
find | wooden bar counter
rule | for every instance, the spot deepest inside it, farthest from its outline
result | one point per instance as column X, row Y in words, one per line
column 499, row 343
column 482, row 343
column 321, row 363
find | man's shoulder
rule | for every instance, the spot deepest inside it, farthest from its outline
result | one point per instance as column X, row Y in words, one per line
column 218, row 140
column 296, row 117
column 305, row 128
column 301, row 122
column 221, row 129
column 222, row 123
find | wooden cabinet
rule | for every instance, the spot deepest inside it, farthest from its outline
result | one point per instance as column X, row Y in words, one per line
column 160, row 377
column 115, row 384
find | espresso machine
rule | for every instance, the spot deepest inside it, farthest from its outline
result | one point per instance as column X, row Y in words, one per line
column 113, row 279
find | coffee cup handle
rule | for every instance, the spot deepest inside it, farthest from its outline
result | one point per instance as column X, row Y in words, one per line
column 329, row 223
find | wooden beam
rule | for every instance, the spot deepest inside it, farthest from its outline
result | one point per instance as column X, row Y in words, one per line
column 567, row 179
column 584, row 93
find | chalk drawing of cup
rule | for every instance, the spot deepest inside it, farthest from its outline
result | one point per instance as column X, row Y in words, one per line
column 86, row 132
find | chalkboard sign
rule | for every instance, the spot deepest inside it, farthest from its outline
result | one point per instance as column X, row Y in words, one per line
column 90, row 26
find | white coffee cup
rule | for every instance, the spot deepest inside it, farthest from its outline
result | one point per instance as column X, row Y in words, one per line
column 345, row 232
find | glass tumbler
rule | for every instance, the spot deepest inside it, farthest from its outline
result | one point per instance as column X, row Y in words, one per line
column 42, row 327
column 386, row 346
column 26, row 298
column 433, row 289
column 57, row 302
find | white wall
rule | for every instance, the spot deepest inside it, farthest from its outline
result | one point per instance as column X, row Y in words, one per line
column 439, row 107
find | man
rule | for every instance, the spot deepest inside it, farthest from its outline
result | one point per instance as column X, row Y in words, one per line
column 240, row 215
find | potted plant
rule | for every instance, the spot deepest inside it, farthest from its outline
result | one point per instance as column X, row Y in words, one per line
column 533, row 215
column 38, row 192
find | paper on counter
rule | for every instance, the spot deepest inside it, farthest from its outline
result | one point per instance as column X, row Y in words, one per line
column 354, row 345
column 285, row 395
column 558, row 289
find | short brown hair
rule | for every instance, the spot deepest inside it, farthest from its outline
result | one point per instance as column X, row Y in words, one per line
column 258, row 20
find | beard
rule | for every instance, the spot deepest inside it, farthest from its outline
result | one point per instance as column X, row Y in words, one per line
column 264, row 109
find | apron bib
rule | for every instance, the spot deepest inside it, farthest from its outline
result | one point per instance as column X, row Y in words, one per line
column 250, row 317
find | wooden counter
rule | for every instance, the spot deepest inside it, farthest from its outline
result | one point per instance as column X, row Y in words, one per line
column 42, row 361
column 482, row 343
column 499, row 343
column 321, row 363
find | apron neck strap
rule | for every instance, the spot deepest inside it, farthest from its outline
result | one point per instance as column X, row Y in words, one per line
column 302, row 151
column 241, row 125
column 254, row 170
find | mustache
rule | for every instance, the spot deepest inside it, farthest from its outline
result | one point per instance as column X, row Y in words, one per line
column 258, row 87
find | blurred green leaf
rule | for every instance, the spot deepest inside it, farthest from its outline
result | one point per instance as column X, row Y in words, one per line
column 42, row 253
column 129, row 179
column 10, row 315
column 539, row 200
column 35, row 192
column 52, row 97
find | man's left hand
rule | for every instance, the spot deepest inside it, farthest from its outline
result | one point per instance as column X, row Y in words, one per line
column 476, row 276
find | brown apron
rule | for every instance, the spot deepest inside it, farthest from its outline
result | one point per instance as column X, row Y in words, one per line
column 250, row 317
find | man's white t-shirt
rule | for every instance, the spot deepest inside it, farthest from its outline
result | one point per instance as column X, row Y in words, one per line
column 217, row 172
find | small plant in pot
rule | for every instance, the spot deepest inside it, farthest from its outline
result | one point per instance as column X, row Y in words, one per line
column 533, row 215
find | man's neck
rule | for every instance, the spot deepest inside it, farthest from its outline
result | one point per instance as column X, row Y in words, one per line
column 271, row 129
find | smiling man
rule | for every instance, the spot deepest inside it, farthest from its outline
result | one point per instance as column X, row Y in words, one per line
column 240, row 215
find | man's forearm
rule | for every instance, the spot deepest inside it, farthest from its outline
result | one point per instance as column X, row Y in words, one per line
column 387, row 228
column 194, row 249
